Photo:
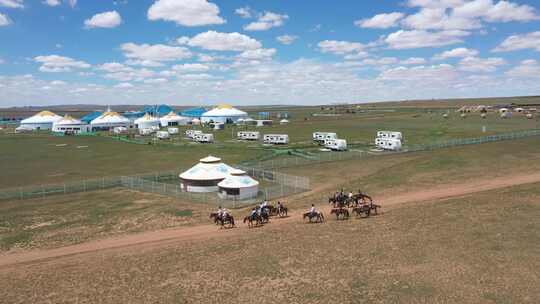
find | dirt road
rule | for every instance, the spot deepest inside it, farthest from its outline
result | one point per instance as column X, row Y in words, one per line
column 167, row 236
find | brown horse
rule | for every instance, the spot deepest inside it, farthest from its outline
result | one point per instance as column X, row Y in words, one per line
column 341, row 213
column 225, row 220
column 282, row 212
column 318, row 216
column 250, row 220
column 362, row 209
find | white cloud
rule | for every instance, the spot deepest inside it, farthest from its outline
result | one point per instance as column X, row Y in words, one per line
column 58, row 82
column 104, row 20
column 55, row 63
column 4, row 20
column 340, row 47
column 356, row 55
column 190, row 68
column 244, row 12
column 258, row 54
column 381, row 21
column 72, row 3
column 421, row 74
column 144, row 63
column 529, row 68
column 185, row 12
column 286, row 39
column 12, row 3
column 266, row 21
column 154, row 52
column 475, row 64
column 413, row 61
column 52, row 2
column 124, row 85
column 2, row 61
column 155, row 80
column 113, row 67
column 131, row 75
column 216, row 41
column 420, row 38
column 456, row 53
column 520, row 42
column 380, row 61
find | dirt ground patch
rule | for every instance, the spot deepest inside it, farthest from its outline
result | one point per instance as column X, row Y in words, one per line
column 479, row 248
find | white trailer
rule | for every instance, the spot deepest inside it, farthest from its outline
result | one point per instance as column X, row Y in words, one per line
column 320, row 137
column 173, row 131
column 276, row 139
column 145, row 131
column 248, row 135
column 120, row 130
column 155, row 128
column 163, row 135
column 192, row 133
column 204, row 138
column 336, row 144
column 390, row 134
column 388, row 144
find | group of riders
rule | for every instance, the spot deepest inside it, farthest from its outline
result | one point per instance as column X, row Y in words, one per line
column 259, row 214
column 341, row 199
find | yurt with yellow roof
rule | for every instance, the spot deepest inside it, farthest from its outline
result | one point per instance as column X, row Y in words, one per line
column 70, row 125
column 110, row 120
column 173, row 119
column 43, row 120
column 223, row 113
column 146, row 122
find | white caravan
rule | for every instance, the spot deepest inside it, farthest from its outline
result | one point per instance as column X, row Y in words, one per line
column 145, row 131
column 320, row 137
column 388, row 144
column 390, row 134
column 120, row 130
column 276, row 139
column 173, row 131
column 336, row 144
column 192, row 133
column 162, row 135
column 204, row 138
column 248, row 135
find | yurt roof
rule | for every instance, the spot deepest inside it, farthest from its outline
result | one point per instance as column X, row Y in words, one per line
column 91, row 116
column 193, row 112
column 110, row 117
column 172, row 116
column 238, row 181
column 147, row 118
column 211, row 169
column 224, row 110
column 42, row 117
column 68, row 120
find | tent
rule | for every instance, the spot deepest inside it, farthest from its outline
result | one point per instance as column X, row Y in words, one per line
column 68, row 124
column 238, row 185
column 158, row 110
column 109, row 120
column 173, row 119
column 223, row 113
column 43, row 120
column 146, row 122
column 205, row 176
column 91, row 116
column 193, row 112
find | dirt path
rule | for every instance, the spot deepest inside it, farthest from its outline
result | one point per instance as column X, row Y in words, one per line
column 210, row 231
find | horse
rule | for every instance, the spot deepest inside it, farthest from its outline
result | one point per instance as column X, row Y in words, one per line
column 214, row 216
column 250, row 219
column 318, row 216
column 364, row 208
column 340, row 212
column 271, row 210
column 282, row 212
column 265, row 216
column 224, row 220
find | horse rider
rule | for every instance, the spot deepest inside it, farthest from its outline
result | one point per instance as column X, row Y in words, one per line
column 253, row 214
column 312, row 210
column 220, row 212
column 279, row 206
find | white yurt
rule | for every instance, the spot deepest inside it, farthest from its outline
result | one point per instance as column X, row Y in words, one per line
column 109, row 120
column 173, row 119
column 205, row 176
column 43, row 120
column 223, row 113
column 147, row 122
column 196, row 121
column 238, row 185
column 70, row 125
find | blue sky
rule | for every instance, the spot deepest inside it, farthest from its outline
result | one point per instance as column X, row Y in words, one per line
column 201, row 52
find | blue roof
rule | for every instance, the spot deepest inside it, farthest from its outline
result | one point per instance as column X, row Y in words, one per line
column 193, row 112
column 91, row 116
column 158, row 110
column 134, row 114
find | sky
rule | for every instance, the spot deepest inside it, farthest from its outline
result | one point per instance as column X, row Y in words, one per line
column 248, row 52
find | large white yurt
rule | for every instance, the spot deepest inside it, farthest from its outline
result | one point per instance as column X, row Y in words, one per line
column 70, row 125
column 238, row 185
column 205, row 176
column 224, row 114
column 173, row 119
column 109, row 120
column 43, row 120
column 147, row 122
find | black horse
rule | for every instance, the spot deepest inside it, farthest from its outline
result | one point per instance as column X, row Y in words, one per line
column 318, row 216
column 224, row 220
column 341, row 213
column 257, row 219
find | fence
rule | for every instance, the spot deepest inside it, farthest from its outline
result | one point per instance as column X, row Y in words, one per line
column 281, row 185
column 356, row 154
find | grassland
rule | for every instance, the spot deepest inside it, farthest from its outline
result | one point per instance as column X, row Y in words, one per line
column 475, row 249
column 75, row 218
column 80, row 158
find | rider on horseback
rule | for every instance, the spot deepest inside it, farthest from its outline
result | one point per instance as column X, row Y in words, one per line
column 313, row 211
column 253, row 213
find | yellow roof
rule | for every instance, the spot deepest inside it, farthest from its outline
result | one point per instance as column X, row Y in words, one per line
column 224, row 106
column 45, row 113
